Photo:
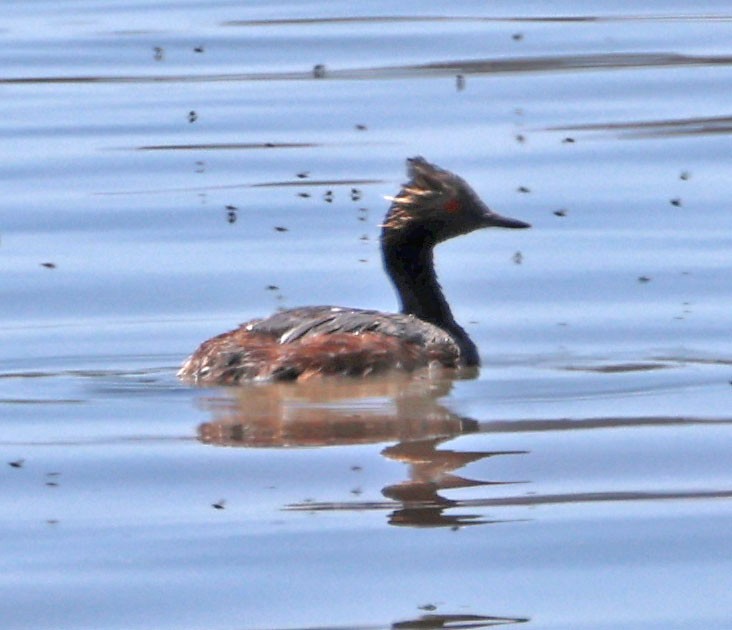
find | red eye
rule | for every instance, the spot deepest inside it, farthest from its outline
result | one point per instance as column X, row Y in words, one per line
column 453, row 205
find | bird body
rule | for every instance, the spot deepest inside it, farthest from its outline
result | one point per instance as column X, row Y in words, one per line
column 433, row 206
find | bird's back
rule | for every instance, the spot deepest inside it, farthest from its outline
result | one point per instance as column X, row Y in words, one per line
column 320, row 340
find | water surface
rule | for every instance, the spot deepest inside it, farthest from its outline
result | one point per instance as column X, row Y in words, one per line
column 170, row 171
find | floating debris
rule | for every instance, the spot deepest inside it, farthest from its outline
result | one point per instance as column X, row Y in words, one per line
column 231, row 215
column 319, row 71
column 192, row 116
column 460, row 82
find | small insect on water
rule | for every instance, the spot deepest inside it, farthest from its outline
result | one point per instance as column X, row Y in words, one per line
column 231, row 215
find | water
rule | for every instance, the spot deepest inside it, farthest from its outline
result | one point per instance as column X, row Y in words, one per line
column 148, row 155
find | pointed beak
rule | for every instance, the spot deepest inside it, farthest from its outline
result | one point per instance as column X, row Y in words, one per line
column 491, row 219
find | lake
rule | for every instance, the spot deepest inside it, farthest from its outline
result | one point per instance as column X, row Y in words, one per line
column 171, row 170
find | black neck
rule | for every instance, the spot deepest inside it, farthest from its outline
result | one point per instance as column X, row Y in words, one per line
column 410, row 265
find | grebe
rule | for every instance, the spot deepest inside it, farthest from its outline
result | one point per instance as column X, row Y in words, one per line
column 433, row 206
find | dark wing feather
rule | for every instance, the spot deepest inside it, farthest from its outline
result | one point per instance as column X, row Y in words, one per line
column 294, row 324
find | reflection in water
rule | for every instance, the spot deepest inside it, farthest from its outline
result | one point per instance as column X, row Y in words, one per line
column 434, row 622
column 430, row 471
column 404, row 409
column 281, row 184
column 401, row 408
column 385, row 19
column 328, row 412
column 658, row 128
column 498, row 65
column 429, row 622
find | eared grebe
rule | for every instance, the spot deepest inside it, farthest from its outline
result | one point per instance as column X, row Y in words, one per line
column 433, row 206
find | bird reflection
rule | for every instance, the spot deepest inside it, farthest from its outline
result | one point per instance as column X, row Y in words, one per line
column 429, row 472
column 400, row 408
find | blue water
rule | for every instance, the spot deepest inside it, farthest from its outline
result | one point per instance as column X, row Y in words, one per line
column 582, row 480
